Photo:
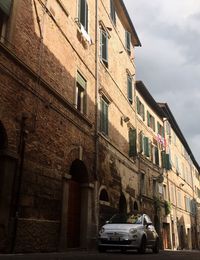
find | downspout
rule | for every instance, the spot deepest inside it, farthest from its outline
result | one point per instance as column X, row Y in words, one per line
column 96, row 137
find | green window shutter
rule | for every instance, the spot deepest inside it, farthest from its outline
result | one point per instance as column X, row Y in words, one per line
column 132, row 142
column 86, row 17
column 143, row 114
column 168, row 164
column 158, row 128
column 83, row 13
column 112, row 12
column 104, row 117
column 5, row 6
column 130, row 89
column 163, row 132
column 146, row 146
column 104, row 47
column 138, row 105
column 153, row 122
column 141, row 142
column 148, row 119
column 128, row 41
column 163, row 157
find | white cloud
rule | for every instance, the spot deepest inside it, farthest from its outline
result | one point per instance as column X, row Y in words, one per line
column 169, row 60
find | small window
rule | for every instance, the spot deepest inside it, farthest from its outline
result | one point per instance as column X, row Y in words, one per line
column 81, row 93
column 130, row 88
column 112, row 11
column 83, row 13
column 104, row 47
column 128, row 42
column 104, row 116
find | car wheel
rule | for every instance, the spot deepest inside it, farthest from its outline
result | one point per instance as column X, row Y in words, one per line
column 101, row 249
column 156, row 247
column 142, row 248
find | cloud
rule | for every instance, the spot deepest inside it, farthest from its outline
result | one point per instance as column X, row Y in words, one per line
column 169, row 60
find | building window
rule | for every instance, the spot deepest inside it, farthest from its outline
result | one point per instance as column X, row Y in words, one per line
column 81, row 93
column 132, row 142
column 129, row 88
column 104, row 47
column 140, row 108
column 104, row 115
column 128, row 42
column 83, row 13
column 150, row 121
column 112, row 11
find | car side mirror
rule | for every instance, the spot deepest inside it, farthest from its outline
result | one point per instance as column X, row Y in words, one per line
column 107, row 222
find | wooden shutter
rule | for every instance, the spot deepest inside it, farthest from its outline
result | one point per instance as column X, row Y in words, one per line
column 143, row 113
column 104, row 47
column 112, row 12
column 153, row 123
column 83, row 13
column 5, row 6
column 104, row 116
column 146, row 146
column 141, row 142
column 128, row 41
column 130, row 89
column 132, row 142
column 138, row 105
column 86, row 16
column 148, row 119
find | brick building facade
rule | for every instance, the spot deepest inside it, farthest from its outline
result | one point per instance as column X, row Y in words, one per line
column 71, row 153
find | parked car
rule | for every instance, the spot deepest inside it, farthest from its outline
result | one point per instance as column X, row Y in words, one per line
column 128, row 231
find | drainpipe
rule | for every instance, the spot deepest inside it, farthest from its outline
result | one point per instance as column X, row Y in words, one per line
column 96, row 162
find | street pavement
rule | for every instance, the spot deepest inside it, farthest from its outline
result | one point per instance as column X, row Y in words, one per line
column 111, row 255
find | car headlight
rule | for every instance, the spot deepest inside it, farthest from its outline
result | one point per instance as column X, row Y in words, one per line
column 101, row 231
column 133, row 231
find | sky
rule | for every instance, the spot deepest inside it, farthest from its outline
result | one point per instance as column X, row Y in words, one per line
column 168, row 62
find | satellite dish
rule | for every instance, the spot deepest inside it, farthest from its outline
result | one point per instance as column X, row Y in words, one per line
column 160, row 179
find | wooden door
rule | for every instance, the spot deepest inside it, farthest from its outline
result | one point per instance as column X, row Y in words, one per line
column 74, row 210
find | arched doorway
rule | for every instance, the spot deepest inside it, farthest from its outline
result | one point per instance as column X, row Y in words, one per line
column 79, row 176
column 122, row 204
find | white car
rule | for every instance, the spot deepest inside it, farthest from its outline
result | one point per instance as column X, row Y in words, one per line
column 128, row 231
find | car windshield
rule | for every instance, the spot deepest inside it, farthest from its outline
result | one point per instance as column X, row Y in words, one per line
column 126, row 219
